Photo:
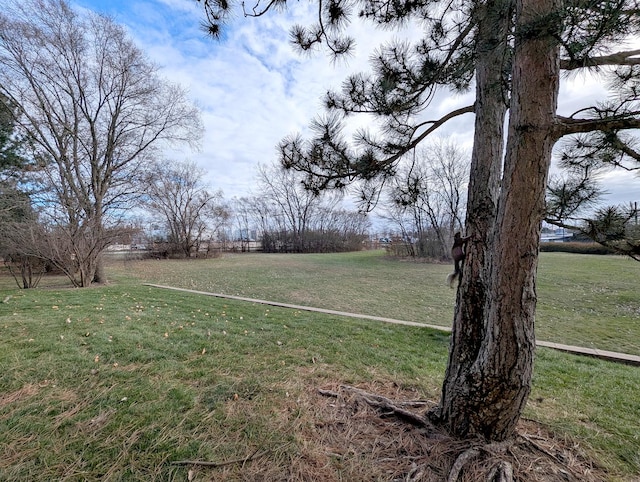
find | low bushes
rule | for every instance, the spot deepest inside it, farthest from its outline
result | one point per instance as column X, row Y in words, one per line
column 575, row 247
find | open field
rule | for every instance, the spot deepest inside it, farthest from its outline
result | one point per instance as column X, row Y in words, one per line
column 584, row 300
column 118, row 382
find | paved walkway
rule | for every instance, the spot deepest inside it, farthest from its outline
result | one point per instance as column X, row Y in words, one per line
column 602, row 354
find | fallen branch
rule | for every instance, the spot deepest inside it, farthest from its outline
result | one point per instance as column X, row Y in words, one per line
column 204, row 463
column 328, row 393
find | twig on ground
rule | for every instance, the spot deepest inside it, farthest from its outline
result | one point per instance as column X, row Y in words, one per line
column 204, row 463
column 416, row 473
column 415, row 403
column 328, row 393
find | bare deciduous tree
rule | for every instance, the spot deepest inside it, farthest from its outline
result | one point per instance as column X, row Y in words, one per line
column 296, row 206
column 95, row 110
column 287, row 217
column 427, row 198
column 18, row 220
column 190, row 212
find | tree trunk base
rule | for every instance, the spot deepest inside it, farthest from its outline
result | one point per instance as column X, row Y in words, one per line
column 446, row 458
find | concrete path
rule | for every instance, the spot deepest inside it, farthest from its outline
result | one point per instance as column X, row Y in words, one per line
column 602, row 354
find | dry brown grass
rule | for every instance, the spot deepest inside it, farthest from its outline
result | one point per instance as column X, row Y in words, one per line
column 25, row 392
column 343, row 438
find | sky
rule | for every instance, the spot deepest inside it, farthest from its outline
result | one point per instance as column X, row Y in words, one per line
column 254, row 89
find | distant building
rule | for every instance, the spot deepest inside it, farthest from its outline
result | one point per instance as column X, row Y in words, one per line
column 557, row 235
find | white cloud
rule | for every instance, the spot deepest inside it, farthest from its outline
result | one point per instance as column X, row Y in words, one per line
column 622, row 187
column 254, row 89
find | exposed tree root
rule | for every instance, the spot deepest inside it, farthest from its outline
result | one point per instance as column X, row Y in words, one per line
column 415, row 474
column 445, row 458
column 502, row 472
column 463, row 459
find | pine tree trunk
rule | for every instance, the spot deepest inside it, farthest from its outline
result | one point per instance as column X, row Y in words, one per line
column 482, row 199
column 489, row 392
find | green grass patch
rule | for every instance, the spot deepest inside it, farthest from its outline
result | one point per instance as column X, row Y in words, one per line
column 584, row 300
column 589, row 300
column 594, row 402
column 116, row 382
column 362, row 282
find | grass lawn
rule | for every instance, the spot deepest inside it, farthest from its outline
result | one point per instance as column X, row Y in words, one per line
column 117, row 382
column 584, row 300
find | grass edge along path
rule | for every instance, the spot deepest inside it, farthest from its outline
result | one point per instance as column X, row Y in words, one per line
column 602, row 354
column 583, row 300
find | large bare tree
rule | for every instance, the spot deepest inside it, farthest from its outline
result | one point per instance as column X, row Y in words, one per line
column 96, row 112
column 295, row 206
column 289, row 218
column 296, row 219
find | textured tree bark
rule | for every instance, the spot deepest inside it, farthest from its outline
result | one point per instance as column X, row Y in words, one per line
column 493, row 366
column 482, row 198
column 100, row 275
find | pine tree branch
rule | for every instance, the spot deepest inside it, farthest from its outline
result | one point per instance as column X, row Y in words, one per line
column 568, row 125
column 255, row 12
column 628, row 247
column 619, row 58
column 628, row 151
column 562, row 224
column 434, row 126
column 348, row 169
